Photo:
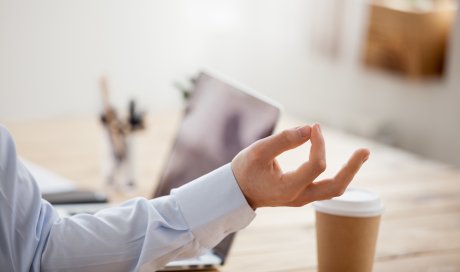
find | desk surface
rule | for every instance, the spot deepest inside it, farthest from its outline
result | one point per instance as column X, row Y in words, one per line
column 420, row 230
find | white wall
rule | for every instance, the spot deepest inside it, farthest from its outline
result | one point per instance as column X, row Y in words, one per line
column 53, row 52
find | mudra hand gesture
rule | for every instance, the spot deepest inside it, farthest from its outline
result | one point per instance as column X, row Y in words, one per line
column 263, row 183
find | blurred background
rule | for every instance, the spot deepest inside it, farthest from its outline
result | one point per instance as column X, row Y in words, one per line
column 353, row 64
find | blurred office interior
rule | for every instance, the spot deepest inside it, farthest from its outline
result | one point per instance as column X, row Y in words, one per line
column 308, row 55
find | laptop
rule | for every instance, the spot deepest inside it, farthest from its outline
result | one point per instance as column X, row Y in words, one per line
column 220, row 119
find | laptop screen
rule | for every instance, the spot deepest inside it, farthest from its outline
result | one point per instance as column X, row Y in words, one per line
column 219, row 121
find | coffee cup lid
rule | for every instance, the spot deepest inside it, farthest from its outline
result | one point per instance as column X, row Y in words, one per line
column 354, row 202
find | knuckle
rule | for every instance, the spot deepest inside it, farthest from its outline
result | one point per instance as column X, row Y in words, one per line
column 320, row 166
column 287, row 136
column 339, row 191
column 253, row 154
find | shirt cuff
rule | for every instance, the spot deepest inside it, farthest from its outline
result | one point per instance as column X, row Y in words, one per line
column 214, row 206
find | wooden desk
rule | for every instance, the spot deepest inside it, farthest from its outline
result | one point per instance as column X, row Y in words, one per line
column 420, row 230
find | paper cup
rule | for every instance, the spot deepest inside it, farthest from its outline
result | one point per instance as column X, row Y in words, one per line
column 346, row 231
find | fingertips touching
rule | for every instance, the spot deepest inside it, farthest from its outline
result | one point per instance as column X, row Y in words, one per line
column 317, row 158
column 318, row 148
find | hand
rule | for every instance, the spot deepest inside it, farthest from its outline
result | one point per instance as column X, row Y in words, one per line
column 264, row 184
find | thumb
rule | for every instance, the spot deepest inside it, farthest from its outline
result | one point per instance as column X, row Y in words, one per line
column 272, row 146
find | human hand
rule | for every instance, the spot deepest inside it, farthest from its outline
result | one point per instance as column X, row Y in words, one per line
column 264, row 184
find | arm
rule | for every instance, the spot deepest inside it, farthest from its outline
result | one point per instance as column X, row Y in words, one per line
column 145, row 234
column 140, row 234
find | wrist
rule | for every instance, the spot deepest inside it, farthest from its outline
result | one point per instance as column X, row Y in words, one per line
column 242, row 184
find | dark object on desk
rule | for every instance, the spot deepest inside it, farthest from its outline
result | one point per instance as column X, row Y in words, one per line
column 119, row 132
column 75, row 197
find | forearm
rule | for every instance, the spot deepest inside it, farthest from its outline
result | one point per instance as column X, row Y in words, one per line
column 146, row 234
column 139, row 235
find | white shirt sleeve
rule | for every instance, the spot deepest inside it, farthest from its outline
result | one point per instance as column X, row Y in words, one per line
column 139, row 235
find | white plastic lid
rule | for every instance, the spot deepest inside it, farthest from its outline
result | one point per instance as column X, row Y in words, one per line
column 354, row 202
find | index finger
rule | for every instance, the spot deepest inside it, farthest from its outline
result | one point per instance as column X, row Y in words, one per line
column 272, row 146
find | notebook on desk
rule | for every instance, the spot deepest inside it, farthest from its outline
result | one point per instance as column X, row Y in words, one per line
column 220, row 119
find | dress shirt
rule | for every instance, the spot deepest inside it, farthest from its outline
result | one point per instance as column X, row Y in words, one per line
column 138, row 235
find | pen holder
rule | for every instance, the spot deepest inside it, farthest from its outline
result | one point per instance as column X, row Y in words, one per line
column 119, row 170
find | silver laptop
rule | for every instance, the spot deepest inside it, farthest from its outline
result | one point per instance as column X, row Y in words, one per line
column 220, row 119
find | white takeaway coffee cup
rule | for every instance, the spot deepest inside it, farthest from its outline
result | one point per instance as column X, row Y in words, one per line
column 346, row 231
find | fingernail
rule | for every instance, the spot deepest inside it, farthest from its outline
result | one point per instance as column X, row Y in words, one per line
column 365, row 158
column 304, row 131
